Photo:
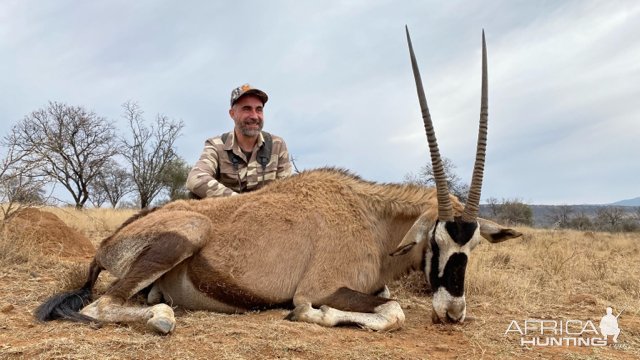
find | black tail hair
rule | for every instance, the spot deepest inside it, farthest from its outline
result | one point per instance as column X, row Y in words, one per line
column 66, row 306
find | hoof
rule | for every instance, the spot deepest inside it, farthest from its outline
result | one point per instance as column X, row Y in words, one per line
column 161, row 325
column 163, row 320
column 299, row 313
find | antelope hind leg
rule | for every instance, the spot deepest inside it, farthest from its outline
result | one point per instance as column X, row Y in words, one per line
column 108, row 309
column 168, row 250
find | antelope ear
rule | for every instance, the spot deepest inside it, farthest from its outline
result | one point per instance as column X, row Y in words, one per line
column 415, row 235
column 495, row 233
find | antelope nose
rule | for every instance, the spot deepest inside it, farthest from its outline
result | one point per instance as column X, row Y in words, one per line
column 455, row 318
column 456, row 312
column 448, row 317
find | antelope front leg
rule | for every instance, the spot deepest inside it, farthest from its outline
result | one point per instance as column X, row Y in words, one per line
column 386, row 317
column 347, row 306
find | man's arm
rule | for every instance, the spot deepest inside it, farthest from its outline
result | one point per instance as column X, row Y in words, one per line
column 202, row 177
column 284, row 165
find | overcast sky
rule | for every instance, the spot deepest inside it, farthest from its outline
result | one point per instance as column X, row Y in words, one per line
column 564, row 81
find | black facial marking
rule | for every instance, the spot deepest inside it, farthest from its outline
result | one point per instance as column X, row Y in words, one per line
column 453, row 275
column 435, row 261
column 461, row 231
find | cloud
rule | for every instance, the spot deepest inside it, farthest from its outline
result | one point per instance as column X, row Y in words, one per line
column 564, row 79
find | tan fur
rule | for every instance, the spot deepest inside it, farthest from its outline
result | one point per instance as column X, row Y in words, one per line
column 298, row 241
column 300, row 238
column 116, row 253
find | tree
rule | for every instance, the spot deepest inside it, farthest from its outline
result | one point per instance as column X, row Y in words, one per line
column 67, row 144
column 512, row 212
column 149, row 151
column 581, row 221
column 560, row 216
column 111, row 185
column 18, row 189
column 629, row 225
column 425, row 177
column 494, row 207
column 610, row 218
column 175, row 179
column 516, row 212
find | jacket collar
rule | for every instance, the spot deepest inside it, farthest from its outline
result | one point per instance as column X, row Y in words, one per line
column 231, row 144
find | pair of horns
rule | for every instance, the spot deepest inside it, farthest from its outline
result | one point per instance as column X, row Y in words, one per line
column 445, row 209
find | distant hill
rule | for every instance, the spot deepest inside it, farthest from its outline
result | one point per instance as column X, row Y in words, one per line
column 628, row 202
column 541, row 213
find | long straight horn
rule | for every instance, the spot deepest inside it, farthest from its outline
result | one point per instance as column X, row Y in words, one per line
column 445, row 210
column 473, row 202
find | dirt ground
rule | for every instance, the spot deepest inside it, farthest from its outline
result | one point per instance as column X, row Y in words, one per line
column 54, row 236
column 26, row 280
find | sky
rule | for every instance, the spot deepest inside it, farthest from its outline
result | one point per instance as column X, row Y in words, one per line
column 564, row 81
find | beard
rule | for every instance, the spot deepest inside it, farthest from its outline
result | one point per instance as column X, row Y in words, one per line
column 246, row 130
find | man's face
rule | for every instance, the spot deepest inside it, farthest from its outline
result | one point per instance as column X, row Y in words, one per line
column 247, row 113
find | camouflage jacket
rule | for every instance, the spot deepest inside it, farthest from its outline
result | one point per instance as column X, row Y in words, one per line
column 215, row 175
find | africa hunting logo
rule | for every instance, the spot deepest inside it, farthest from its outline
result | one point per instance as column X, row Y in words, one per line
column 543, row 332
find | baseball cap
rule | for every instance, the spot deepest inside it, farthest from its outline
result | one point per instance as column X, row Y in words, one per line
column 247, row 89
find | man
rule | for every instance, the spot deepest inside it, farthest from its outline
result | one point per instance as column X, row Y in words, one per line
column 244, row 159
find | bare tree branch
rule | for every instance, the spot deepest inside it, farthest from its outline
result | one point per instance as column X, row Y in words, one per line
column 425, row 177
column 111, row 185
column 67, row 144
column 149, row 151
column 18, row 189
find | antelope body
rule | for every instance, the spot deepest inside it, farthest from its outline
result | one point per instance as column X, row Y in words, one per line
column 321, row 241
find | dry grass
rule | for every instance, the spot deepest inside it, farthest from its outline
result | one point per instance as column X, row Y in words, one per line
column 547, row 274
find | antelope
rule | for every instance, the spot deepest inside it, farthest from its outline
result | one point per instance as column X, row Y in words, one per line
column 323, row 243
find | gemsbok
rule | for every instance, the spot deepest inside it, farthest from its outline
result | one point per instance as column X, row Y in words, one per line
column 324, row 243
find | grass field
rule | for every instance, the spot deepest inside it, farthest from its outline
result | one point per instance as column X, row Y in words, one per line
column 550, row 275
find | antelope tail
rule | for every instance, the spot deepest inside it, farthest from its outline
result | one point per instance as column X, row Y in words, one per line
column 67, row 305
